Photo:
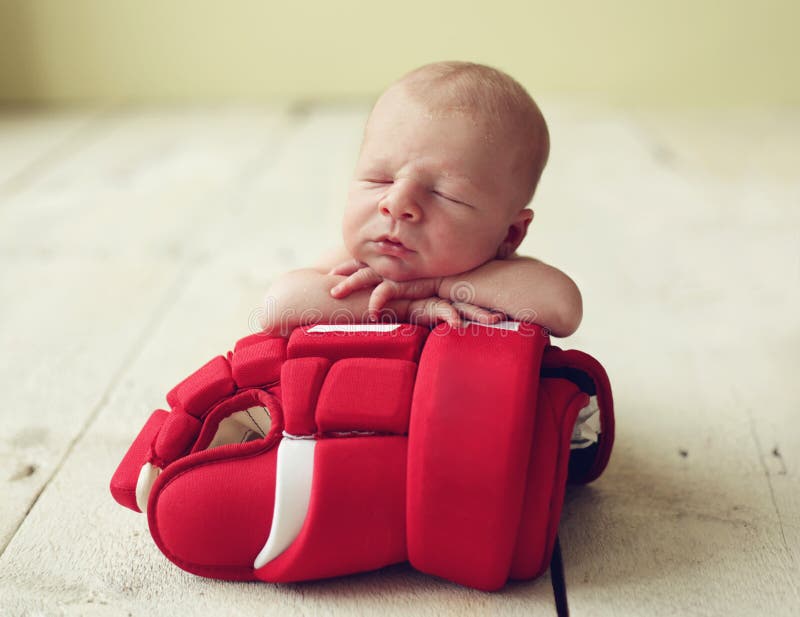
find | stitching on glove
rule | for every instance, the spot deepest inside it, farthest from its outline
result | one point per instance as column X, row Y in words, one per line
column 290, row 436
column 346, row 433
column 260, row 430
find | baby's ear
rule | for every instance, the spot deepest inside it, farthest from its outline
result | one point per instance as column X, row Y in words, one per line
column 516, row 234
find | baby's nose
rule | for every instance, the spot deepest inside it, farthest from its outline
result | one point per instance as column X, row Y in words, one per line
column 400, row 202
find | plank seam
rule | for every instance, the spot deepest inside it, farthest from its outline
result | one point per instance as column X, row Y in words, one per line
column 188, row 265
column 754, row 434
column 150, row 326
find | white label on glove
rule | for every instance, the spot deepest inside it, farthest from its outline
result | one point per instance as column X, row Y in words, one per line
column 500, row 325
column 358, row 327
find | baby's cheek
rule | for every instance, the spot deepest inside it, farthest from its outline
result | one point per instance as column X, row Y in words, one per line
column 350, row 229
column 456, row 247
column 465, row 253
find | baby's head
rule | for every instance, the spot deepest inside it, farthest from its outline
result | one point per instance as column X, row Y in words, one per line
column 451, row 156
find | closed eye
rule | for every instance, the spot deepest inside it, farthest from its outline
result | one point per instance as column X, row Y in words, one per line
column 448, row 198
column 376, row 181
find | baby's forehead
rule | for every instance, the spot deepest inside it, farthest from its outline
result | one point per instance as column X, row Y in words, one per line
column 511, row 123
column 489, row 128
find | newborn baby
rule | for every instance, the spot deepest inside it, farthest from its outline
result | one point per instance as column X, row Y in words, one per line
column 437, row 207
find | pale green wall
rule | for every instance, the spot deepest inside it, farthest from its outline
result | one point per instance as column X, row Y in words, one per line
column 678, row 52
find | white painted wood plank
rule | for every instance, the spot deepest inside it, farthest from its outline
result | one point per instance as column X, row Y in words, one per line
column 682, row 522
column 153, row 174
column 685, row 289
column 63, row 344
column 77, row 300
column 31, row 140
column 686, row 305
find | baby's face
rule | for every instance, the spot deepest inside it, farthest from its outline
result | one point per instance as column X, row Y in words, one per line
column 431, row 195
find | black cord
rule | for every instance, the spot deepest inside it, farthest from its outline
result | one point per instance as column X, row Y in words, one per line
column 557, row 579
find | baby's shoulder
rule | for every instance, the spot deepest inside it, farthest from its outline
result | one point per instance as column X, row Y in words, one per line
column 517, row 257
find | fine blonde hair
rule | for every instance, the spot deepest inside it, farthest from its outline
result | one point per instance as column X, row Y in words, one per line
column 467, row 87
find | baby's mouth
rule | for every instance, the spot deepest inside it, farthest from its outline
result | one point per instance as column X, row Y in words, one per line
column 392, row 246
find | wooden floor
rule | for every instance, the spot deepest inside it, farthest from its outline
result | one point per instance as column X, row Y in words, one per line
column 136, row 243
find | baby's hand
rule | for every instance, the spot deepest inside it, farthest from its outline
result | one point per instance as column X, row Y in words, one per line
column 429, row 307
column 432, row 310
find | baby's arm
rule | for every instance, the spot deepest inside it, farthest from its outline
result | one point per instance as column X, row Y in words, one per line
column 303, row 297
column 523, row 288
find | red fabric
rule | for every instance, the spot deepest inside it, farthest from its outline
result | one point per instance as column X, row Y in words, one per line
column 571, row 403
column 473, row 494
column 302, row 380
column 559, row 402
column 258, row 363
column 203, row 388
column 210, row 512
column 365, row 478
column 469, row 441
column 252, row 339
column 367, row 394
column 572, row 358
column 176, row 437
column 123, row 482
column 404, row 343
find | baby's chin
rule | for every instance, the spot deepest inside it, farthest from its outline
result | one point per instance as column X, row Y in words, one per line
column 398, row 270
column 394, row 269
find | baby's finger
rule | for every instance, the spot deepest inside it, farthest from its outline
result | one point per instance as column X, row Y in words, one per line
column 448, row 313
column 420, row 312
column 347, row 268
column 428, row 311
column 417, row 288
column 477, row 313
column 365, row 277
column 441, row 310
column 385, row 291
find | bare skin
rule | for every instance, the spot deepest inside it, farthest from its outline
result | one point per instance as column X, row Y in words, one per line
column 521, row 288
column 431, row 229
